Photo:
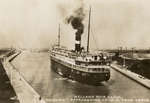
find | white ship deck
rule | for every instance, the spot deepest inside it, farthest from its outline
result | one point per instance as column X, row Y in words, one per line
column 70, row 62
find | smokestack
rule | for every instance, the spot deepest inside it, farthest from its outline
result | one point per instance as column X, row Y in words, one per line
column 76, row 22
column 78, row 43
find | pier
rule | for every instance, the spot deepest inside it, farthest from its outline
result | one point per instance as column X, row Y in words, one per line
column 24, row 92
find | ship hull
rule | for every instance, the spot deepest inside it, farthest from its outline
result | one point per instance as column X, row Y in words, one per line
column 80, row 76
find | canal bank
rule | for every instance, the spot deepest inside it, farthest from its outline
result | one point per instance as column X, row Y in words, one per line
column 25, row 93
column 138, row 78
column 7, row 93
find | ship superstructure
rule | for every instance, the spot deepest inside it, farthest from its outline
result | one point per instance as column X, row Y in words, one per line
column 78, row 64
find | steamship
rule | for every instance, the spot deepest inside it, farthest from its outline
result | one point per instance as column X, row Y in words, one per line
column 80, row 65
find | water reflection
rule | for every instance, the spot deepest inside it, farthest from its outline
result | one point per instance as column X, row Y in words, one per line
column 68, row 89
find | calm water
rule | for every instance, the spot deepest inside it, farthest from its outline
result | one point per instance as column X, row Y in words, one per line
column 35, row 67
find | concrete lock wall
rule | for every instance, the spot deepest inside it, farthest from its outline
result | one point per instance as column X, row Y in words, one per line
column 25, row 93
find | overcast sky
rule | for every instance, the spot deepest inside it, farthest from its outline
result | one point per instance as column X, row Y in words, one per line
column 34, row 23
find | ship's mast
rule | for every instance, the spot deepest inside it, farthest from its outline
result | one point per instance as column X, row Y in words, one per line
column 89, row 31
column 59, row 35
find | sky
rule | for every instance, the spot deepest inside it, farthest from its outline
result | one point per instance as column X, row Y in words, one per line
column 114, row 23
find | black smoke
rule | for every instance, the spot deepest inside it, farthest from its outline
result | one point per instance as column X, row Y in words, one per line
column 76, row 20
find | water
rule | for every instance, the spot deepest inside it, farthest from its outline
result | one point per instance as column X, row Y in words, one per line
column 35, row 67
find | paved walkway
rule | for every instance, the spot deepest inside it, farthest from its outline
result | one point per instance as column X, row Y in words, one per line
column 7, row 92
column 25, row 93
column 138, row 78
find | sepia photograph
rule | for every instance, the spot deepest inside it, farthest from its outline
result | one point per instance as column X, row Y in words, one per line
column 74, row 51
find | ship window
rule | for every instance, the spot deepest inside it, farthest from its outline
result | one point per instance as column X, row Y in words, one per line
column 95, row 57
column 83, row 74
column 78, row 72
column 86, row 64
column 78, row 63
column 94, row 69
